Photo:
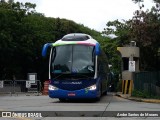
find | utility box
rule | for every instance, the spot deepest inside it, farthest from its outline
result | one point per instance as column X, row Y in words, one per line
column 130, row 63
column 31, row 84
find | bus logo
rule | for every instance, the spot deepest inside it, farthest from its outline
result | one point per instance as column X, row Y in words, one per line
column 74, row 83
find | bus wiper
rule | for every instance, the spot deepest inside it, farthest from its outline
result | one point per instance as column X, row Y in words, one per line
column 90, row 68
column 78, row 76
column 85, row 76
column 60, row 75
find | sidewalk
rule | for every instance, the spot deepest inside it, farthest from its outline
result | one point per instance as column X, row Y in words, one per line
column 128, row 96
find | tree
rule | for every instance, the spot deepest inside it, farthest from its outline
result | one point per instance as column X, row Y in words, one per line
column 144, row 28
column 156, row 1
column 146, row 32
column 23, row 32
column 120, row 29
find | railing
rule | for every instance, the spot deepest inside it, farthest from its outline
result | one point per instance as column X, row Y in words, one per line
column 147, row 82
column 20, row 86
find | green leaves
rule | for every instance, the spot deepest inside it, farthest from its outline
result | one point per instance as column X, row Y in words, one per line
column 23, row 32
column 144, row 28
column 146, row 32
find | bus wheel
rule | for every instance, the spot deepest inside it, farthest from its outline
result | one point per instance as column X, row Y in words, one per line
column 101, row 91
column 62, row 99
column 106, row 92
column 96, row 99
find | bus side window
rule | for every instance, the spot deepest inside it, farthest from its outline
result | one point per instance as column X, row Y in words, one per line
column 100, row 65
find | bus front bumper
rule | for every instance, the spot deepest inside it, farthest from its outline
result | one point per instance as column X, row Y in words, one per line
column 76, row 94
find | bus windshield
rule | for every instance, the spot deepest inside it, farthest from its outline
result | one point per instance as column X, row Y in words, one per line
column 70, row 59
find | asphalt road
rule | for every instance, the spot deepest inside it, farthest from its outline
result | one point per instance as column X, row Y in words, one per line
column 110, row 107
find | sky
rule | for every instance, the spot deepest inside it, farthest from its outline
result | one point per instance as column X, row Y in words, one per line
column 91, row 13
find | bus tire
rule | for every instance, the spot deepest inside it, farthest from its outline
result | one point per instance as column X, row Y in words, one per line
column 62, row 99
column 97, row 99
column 101, row 91
column 106, row 92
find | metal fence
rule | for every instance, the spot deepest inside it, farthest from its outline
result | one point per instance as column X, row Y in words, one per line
column 20, row 86
column 148, row 82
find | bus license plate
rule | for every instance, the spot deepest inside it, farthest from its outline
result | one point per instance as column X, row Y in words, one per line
column 71, row 94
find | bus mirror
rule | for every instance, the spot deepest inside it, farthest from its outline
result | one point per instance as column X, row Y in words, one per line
column 97, row 48
column 44, row 50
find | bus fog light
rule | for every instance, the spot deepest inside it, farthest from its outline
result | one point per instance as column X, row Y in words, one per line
column 93, row 87
column 51, row 87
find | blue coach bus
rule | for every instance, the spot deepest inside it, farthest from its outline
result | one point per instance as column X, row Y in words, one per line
column 78, row 68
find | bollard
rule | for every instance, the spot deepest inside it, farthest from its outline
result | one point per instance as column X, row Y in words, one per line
column 127, row 86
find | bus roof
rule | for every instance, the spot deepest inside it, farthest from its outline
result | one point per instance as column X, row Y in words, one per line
column 76, row 38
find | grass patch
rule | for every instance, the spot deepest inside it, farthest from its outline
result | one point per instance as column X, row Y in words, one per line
column 143, row 94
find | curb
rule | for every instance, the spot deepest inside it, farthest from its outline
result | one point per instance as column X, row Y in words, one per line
column 139, row 99
column 151, row 101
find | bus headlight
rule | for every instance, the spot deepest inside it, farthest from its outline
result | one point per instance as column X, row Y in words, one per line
column 51, row 87
column 93, row 87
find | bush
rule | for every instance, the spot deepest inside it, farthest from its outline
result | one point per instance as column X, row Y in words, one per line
column 142, row 94
column 119, row 86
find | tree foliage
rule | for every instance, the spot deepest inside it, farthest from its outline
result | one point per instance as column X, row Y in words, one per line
column 23, row 32
column 156, row 1
column 146, row 32
column 144, row 28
